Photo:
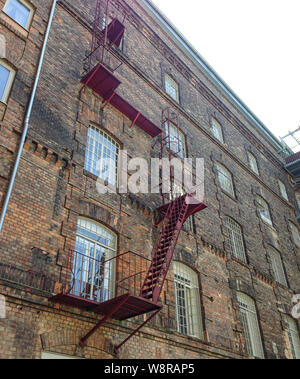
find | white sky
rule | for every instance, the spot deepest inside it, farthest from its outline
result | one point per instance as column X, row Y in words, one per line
column 254, row 46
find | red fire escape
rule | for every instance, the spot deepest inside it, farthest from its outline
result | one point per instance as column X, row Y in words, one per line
column 129, row 284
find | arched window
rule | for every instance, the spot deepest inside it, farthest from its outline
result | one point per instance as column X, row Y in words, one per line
column 217, row 130
column 188, row 309
column 277, row 266
column 283, row 191
column 171, row 87
column 102, row 155
column 93, row 272
column 293, row 335
column 250, row 325
column 295, row 233
column 225, row 179
column 264, row 210
column 253, row 163
column 7, row 75
column 20, row 11
column 235, row 238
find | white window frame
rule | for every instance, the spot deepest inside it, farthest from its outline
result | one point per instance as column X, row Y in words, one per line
column 264, row 210
column 101, row 145
column 217, row 130
column 293, row 335
column 171, row 87
column 27, row 5
column 9, row 82
column 295, row 233
column 253, row 163
column 188, row 308
column 277, row 266
column 51, row 355
column 250, row 324
column 282, row 189
column 177, row 139
column 225, row 179
column 94, row 278
column 235, row 239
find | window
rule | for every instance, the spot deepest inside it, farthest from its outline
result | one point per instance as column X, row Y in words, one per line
column 225, row 179
column 101, row 157
column 187, row 295
column 177, row 140
column 7, row 75
column 264, row 210
column 277, row 266
column 250, row 325
column 235, row 237
column 171, row 87
column 93, row 269
column 50, row 355
column 253, row 163
column 217, row 130
column 295, row 234
column 283, row 190
column 20, row 11
column 293, row 335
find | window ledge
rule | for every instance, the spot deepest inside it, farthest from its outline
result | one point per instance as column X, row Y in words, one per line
column 229, row 195
column 245, row 264
column 13, row 25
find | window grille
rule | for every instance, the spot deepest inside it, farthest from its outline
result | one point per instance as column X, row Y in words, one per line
column 225, row 179
column 235, row 237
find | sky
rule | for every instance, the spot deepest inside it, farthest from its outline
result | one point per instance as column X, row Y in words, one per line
column 254, row 46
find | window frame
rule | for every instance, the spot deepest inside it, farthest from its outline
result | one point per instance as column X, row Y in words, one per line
column 266, row 219
column 293, row 333
column 192, row 315
column 180, row 137
column 293, row 228
column 9, row 82
column 216, row 125
column 171, row 80
column 222, row 170
column 252, row 159
column 88, row 165
column 277, row 264
column 282, row 190
column 27, row 5
column 253, row 337
column 235, row 246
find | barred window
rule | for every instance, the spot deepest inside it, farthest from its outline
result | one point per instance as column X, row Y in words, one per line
column 283, row 192
column 217, row 130
column 19, row 10
column 225, row 179
column 235, row 237
column 101, row 156
column 293, row 335
column 7, row 75
column 264, row 210
column 253, row 163
column 295, row 234
column 277, row 266
column 177, row 139
column 187, row 295
column 250, row 325
column 171, row 87
column 93, row 271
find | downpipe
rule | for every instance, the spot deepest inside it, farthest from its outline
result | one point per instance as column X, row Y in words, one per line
column 27, row 118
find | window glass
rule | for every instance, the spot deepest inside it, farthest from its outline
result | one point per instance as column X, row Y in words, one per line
column 235, row 237
column 277, row 266
column 264, row 211
column 18, row 11
column 217, row 130
column 253, row 163
column 171, row 88
column 283, row 190
column 225, row 179
column 4, row 76
column 293, row 335
column 177, row 141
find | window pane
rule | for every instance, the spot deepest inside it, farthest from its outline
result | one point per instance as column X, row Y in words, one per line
column 264, row 212
column 253, row 163
column 277, row 266
column 250, row 325
column 171, row 87
column 177, row 142
column 18, row 11
column 235, row 238
column 225, row 180
column 283, row 190
column 4, row 75
column 295, row 233
column 101, row 156
column 217, row 130
column 188, row 310
column 293, row 335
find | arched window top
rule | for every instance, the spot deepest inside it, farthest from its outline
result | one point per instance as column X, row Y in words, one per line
column 264, row 210
column 225, row 179
column 246, row 301
column 184, row 273
column 217, row 130
column 253, row 163
column 96, row 232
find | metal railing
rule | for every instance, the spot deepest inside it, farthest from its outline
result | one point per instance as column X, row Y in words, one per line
column 99, row 278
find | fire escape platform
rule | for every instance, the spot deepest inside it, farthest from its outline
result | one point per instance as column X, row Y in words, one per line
column 115, row 31
column 192, row 208
column 126, row 306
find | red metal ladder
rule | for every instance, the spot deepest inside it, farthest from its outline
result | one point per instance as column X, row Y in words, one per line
column 163, row 251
